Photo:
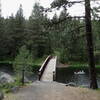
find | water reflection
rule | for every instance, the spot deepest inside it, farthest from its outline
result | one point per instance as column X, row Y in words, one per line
column 68, row 75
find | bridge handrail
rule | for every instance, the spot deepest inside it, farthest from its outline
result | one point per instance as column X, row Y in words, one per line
column 41, row 70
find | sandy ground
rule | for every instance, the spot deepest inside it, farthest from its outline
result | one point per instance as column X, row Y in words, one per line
column 53, row 91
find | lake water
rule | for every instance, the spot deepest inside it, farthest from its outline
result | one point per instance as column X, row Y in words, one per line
column 67, row 75
column 8, row 69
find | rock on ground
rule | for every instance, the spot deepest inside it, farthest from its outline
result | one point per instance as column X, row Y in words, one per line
column 5, row 78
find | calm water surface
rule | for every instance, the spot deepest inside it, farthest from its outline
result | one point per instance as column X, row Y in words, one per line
column 67, row 75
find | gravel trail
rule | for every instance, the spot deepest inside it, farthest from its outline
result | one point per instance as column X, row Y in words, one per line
column 53, row 91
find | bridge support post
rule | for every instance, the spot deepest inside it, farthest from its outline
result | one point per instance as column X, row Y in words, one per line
column 23, row 75
column 54, row 76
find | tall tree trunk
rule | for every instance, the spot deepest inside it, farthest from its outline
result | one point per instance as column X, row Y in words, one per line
column 89, row 37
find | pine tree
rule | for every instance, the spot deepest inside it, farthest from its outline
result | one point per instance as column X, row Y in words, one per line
column 23, row 61
column 19, row 29
column 2, row 38
column 9, row 34
column 38, row 33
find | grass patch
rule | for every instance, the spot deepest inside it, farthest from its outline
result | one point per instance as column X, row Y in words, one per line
column 97, row 66
column 6, row 87
column 79, row 65
column 36, row 61
column 98, row 89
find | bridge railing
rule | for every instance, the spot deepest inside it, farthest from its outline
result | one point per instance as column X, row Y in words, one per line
column 42, row 69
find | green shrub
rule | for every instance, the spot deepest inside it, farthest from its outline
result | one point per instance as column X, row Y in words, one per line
column 6, row 87
column 97, row 57
column 63, row 56
column 23, row 61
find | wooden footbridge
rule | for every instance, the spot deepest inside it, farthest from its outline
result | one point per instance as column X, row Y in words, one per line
column 48, row 69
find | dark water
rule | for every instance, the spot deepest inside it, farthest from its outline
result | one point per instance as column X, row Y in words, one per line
column 67, row 75
column 7, row 68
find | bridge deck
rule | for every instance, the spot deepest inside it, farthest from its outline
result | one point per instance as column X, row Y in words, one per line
column 50, row 68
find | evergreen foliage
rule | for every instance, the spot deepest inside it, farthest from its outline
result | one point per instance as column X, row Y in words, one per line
column 39, row 36
column 42, row 37
column 23, row 61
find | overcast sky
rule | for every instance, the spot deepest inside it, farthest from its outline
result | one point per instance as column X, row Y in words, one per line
column 11, row 6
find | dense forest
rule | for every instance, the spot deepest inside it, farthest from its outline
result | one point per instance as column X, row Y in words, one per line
column 42, row 36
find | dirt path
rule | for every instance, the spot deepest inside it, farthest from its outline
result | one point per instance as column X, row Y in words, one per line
column 53, row 91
